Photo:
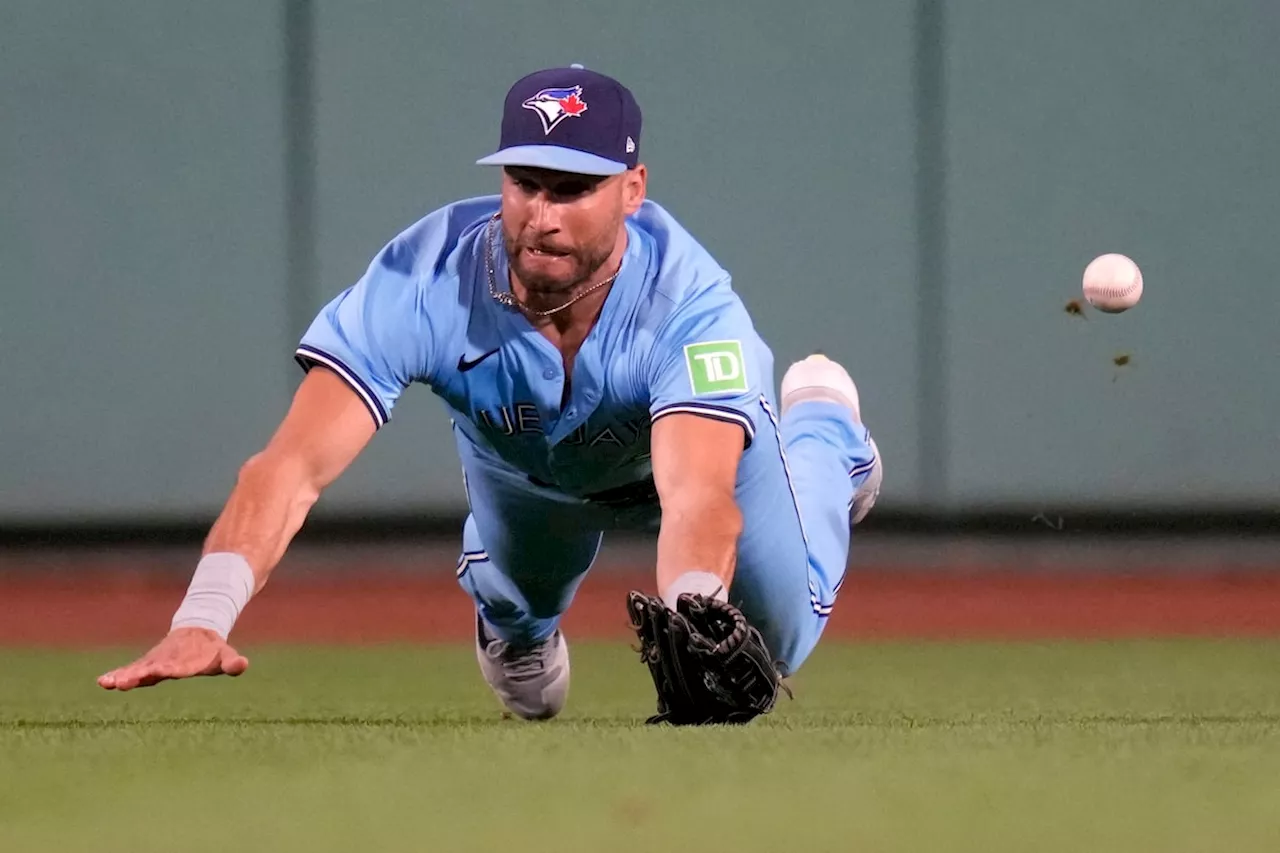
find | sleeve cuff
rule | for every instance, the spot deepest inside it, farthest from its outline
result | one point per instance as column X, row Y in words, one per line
column 308, row 356
column 718, row 413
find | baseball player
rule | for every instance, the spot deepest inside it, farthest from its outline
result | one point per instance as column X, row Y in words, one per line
column 601, row 374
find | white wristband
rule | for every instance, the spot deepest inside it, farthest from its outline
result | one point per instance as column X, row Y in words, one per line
column 222, row 585
column 694, row 583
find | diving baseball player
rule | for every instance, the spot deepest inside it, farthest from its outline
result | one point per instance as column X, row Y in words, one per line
column 600, row 374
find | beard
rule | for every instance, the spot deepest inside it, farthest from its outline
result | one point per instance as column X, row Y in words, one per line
column 560, row 270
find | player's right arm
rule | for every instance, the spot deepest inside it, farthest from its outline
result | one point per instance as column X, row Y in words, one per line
column 365, row 347
column 326, row 427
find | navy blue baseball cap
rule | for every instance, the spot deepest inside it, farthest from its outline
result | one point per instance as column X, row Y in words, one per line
column 571, row 120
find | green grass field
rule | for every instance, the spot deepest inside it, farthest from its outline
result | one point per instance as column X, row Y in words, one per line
column 1137, row 746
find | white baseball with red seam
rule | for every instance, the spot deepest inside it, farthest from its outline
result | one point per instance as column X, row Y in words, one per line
column 1112, row 283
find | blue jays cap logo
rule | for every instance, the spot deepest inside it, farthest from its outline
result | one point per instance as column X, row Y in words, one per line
column 555, row 105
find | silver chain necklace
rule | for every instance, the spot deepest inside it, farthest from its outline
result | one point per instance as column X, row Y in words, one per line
column 507, row 298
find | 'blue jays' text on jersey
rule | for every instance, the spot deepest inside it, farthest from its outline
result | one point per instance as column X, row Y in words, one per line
column 672, row 337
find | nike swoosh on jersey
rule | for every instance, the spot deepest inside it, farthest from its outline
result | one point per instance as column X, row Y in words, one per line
column 464, row 365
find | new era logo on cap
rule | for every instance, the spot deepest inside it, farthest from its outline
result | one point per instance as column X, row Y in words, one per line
column 569, row 119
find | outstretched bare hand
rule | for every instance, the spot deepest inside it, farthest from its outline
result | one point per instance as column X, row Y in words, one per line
column 183, row 653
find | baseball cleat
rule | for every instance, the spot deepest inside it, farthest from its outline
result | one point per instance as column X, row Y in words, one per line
column 533, row 682
column 819, row 378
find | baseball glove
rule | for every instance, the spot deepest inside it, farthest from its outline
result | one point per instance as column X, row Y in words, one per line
column 708, row 664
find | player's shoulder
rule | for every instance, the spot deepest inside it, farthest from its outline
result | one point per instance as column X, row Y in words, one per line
column 688, row 288
column 685, row 269
column 429, row 249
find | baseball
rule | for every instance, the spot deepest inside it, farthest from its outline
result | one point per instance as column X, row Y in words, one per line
column 1112, row 283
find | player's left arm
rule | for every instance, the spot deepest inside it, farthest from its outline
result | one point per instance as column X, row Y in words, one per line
column 706, row 381
column 695, row 468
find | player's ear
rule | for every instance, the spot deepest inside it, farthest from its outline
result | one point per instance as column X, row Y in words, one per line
column 634, row 185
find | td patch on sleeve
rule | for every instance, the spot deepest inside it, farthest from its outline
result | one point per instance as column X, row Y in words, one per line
column 716, row 367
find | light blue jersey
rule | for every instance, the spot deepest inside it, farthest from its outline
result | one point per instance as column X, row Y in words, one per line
column 547, row 473
column 672, row 337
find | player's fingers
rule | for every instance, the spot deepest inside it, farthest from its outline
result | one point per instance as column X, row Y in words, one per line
column 144, row 673
column 149, row 673
column 123, row 677
column 234, row 663
column 147, row 679
column 108, row 679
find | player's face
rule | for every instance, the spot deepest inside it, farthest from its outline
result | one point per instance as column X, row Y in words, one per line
column 559, row 227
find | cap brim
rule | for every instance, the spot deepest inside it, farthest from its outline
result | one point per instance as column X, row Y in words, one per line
column 554, row 157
